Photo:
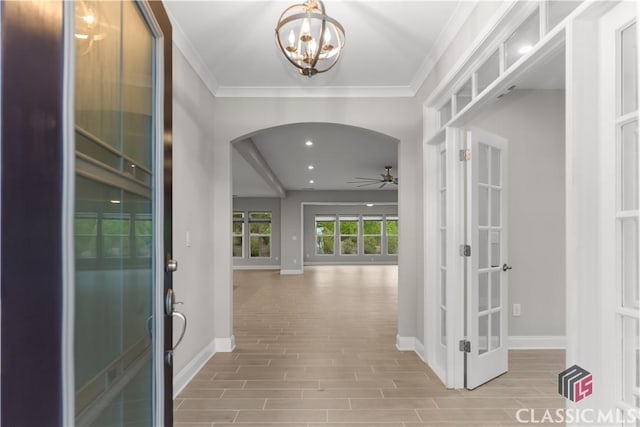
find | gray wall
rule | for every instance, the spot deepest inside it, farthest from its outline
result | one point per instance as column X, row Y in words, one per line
column 250, row 204
column 534, row 123
column 192, row 207
column 310, row 212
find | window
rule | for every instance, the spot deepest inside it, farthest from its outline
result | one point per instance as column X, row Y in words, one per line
column 522, row 40
column 392, row 235
column 464, row 96
column 238, row 235
column 144, row 235
column 260, row 234
column 372, row 235
column 115, row 235
column 86, row 235
column 325, row 235
column 349, row 231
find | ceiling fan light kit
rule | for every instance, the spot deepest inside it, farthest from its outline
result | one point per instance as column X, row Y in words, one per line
column 310, row 39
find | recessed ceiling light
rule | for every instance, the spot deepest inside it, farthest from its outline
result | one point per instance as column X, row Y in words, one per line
column 311, row 181
column 369, row 205
column 525, row 49
column 308, row 143
column 310, row 167
column 115, row 202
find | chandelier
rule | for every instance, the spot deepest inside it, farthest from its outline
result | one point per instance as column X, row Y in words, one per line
column 308, row 38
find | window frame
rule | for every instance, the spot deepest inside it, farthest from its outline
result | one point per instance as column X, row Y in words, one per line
column 349, row 218
column 239, row 220
column 327, row 218
column 388, row 218
column 373, row 218
column 269, row 220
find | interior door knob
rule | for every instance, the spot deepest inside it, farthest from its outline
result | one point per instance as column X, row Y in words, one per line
column 506, row 267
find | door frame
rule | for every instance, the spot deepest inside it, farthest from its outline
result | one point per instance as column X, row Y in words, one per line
column 451, row 372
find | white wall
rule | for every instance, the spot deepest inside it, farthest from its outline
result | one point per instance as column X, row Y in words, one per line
column 192, row 206
column 534, row 123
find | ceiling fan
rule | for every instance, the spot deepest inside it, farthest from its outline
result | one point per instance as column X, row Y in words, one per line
column 386, row 178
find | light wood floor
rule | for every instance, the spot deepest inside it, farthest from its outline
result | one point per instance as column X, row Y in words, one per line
column 320, row 350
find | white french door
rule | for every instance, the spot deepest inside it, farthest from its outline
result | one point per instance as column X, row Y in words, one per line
column 487, row 266
column 619, row 154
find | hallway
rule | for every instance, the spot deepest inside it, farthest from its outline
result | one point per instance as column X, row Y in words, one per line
column 319, row 349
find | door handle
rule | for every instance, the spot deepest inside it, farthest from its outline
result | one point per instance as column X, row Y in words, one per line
column 506, row 267
column 184, row 327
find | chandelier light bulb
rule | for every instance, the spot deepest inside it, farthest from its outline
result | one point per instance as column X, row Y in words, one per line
column 305, row 31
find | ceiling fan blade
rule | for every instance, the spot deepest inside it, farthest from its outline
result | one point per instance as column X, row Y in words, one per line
column 395, row 181
column 364, row 182
column 364, row 185
column 383, row 184
column 367, row 179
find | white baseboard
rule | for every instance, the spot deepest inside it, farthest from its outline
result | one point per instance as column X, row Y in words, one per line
column 256, row 267
column 411, row 344
column 225, row 345
column 405, row 343
column 320, row 263
column 537, row 342
column 186, row 374
column 291, row 272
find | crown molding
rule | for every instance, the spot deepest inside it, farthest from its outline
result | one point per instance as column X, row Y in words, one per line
column 182, row 42
column 315, row 92
column 446, row 36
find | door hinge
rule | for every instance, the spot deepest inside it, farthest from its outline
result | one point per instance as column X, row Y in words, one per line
column 465, row 155
column 465, row 346
column 465, row 250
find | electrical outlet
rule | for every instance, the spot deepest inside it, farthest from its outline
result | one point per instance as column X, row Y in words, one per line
column 516, row 310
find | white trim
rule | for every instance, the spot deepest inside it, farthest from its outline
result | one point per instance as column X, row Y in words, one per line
column 478, row 44
column 225, row 345
column 182, row 42
column 68, row 204
column 451, row 29
column 256, row 267
column 291, row 272
column 405, row 343
column 537, row 342
column 186, row 374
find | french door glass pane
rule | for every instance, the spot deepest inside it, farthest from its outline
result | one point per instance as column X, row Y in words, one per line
column 495, row 207
column 495, row 330
column 443, row 208
column 443, row 169
column 483, row 334
column 629, row 163
column 630, row 254
column 495, row 289
column 628, row 39
column 443, row 326
column 443, row 247
column 483, row 249
column 495, row 166
column 495, row 248
column 483, row 292
column 483, row 206
column 630, row 351
column 443, row 287
column 483, row 164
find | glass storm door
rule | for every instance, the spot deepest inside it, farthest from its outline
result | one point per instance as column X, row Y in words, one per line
column 487, row 268
column 118, row 217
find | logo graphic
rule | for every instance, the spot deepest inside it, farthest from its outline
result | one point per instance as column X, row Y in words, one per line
column 575, row 383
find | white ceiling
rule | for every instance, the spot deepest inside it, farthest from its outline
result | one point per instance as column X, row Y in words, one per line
column 390, row 45
column 339, row 154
